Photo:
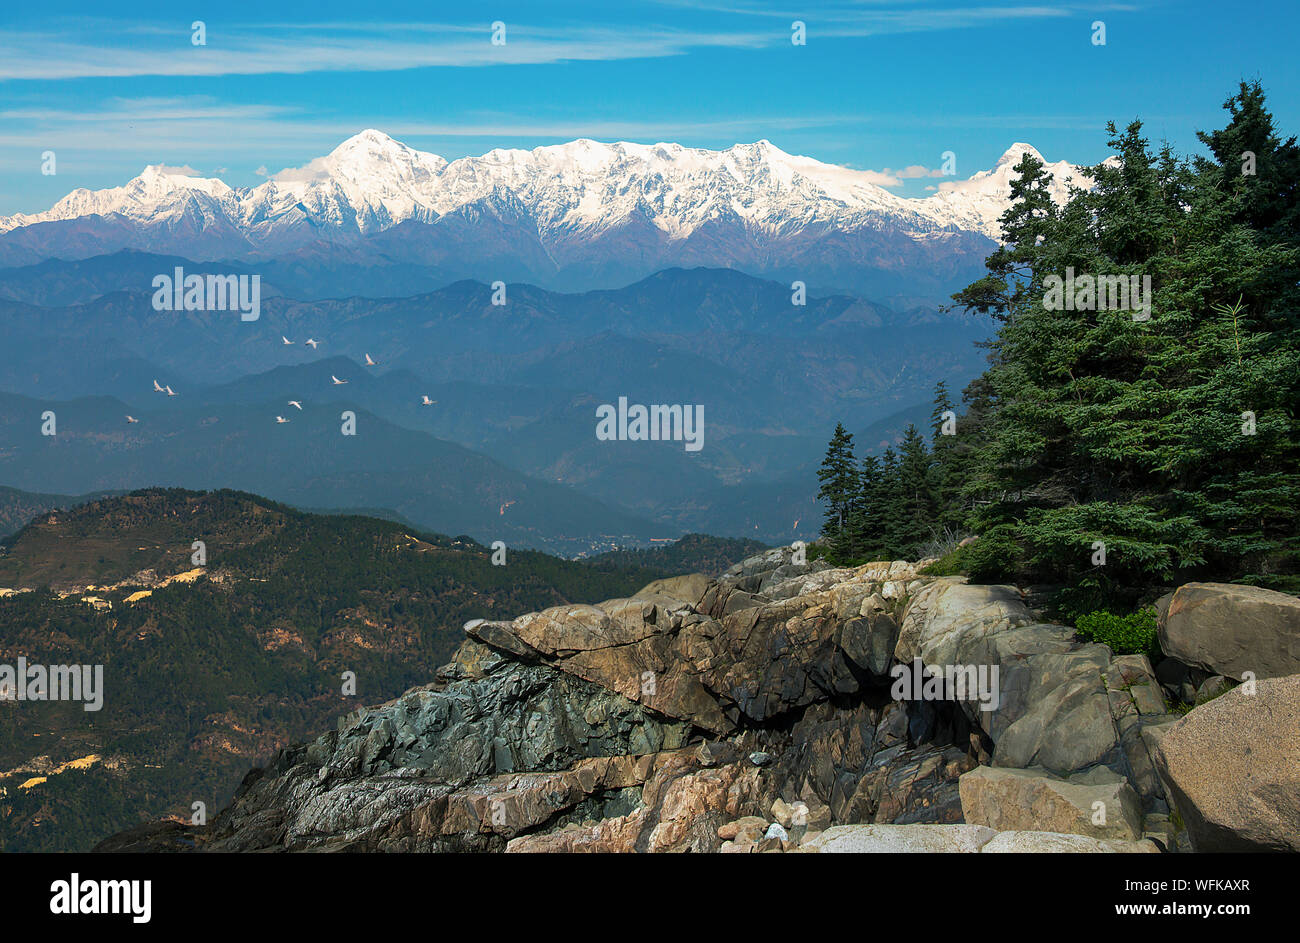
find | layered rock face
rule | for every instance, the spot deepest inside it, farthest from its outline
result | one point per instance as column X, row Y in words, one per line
column 758, row 712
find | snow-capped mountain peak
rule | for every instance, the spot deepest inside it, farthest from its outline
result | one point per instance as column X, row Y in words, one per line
column 371, row 182
column 977, row 202
column 1011, row 156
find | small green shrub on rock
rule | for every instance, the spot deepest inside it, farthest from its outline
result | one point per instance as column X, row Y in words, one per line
column 997, row 557
column 1133, row 634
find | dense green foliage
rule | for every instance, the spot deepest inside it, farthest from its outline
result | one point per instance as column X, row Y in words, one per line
column 900, row 505
column 1133, row 634
column 1103, row 450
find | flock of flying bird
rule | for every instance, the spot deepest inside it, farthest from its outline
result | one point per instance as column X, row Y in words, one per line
column 313, row 344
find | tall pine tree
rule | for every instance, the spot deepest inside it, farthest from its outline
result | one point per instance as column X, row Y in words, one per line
column 838, row 476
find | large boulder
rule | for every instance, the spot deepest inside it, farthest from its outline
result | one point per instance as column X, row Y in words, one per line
column 949, row 615
column 689, row 589
column 1229, row 630
column 1233, row 769
column 868, row 640
column 1053, row 707
column 1100, row 805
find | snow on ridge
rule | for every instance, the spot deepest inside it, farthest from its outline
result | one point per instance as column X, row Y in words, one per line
column 371, row 181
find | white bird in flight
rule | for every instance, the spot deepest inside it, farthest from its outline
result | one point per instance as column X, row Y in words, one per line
column 337, row 381
column 280, row 419
column 286, row 340
column 295, row 403
column 312, row 343
column 131, row 419
column 427, row 401
column 369, row 362
column 170, row 391
column 157, row 388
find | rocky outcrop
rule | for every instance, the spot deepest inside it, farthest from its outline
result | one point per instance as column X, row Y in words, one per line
column 1233, row 769
column 1228, row 629
column 760, row 643
column 759, row 712
column 451, row 765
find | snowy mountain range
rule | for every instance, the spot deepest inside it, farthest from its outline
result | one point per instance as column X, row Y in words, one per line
column 572, row 216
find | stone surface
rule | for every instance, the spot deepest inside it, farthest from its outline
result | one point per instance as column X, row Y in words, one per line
column 1035, row 800
column 746, row 830
column 1227, row 629
column 1233, row 769
column 894, row 839
column 1053, row 708
column 776, row 831
column 688, row 589
column 1059, row 843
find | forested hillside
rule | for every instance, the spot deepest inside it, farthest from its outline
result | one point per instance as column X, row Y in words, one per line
column 206, row 673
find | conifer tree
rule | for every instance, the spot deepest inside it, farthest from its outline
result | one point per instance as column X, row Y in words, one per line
column 914, row 481
column 838, row 476
column 868, row 519
column 1171, row 440
column 945, row 475
column 893, row 522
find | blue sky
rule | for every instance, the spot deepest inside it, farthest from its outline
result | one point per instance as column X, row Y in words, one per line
column 879, row 85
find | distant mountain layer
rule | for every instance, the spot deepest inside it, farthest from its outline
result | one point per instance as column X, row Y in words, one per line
column 308, row 461
column 208, row 669
column 506, row 446
column 578, row 215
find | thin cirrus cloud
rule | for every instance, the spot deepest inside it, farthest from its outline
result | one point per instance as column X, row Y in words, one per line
column 857, row 18
column 107, row 49
column 201, row 126
column 112, row 51
column 205, row 123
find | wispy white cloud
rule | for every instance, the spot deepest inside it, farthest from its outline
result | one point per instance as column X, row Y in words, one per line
column 117, row 110
column 116, row 51
column 110, row 49
column 171, row 124
column 857, row 18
